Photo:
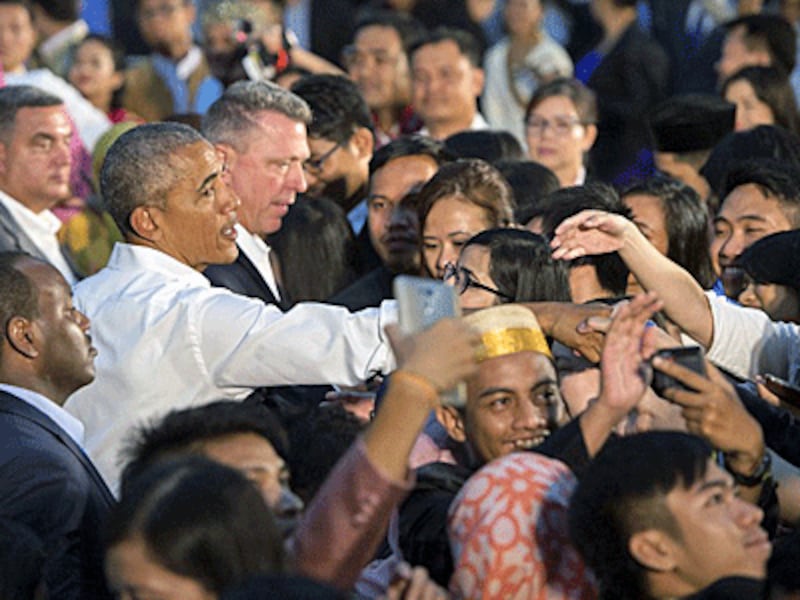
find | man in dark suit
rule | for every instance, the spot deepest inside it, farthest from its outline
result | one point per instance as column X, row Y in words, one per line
column 261, row 129
column 47, row 481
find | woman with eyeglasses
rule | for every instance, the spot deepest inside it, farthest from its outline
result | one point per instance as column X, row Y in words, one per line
column 560, row 128
column 498, row 266
column 465, row 197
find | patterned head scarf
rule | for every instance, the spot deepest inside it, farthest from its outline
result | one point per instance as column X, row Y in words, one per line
column 509, row 534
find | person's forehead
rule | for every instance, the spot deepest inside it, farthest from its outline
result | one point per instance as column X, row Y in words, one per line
column 556, row 106
column 522, row 370
column 30, row 119
column 15, row 13
column 444, row 51
column 713, row 478
column 243, row 445
column 378, row 37
column 748, row 200
column 409, row 165
column 46, row 278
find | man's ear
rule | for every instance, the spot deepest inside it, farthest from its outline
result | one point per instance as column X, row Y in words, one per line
column 21, row 337
column 143, row 223
column 653, row 549
column 363, row 142
column 450, row 419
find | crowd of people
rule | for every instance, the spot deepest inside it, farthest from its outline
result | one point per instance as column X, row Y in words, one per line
column 204, row 390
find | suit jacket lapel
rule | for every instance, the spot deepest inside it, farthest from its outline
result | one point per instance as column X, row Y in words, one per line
column 13, row 405
column 257, row 279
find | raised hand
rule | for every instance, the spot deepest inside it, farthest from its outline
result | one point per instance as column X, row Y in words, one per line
column 590, row 232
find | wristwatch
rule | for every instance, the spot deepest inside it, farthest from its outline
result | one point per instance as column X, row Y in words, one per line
column 762, row 472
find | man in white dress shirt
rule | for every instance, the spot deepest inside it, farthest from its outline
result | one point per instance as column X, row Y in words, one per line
column 166, row 338
column 35, row 163
column 261, row 129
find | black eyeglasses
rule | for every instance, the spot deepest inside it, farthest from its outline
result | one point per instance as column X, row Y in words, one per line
column 315, row 165
column 463, row 279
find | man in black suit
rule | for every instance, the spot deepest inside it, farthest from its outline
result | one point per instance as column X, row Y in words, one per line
column 47, row 481
column 261, row 129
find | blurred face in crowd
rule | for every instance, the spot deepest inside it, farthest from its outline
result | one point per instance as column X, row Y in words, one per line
column 94, row 74
column 750, row 111
column 675, row 166
column 133, row 574
column 716, row 535
column 388, row 185
column 166, row 25
column 523, row 17
column 378, row 65
column 746, row 215
column 736, row 55
column 450, row 223
column 471, row 277
column 267, row 172
column 338, row 170
column 648, row 214
column 445, row 88
column 780, row 302
column 17, row 37
column 35, row 165
column 513, row 404
column 254, row 457
column 557, row 138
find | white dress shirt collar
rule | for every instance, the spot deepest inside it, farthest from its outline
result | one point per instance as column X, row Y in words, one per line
column 126, row 256
column 257, row 250
column 41, row 228
column 62, row 418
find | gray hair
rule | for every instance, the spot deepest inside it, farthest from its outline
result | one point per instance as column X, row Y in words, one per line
column 232, row 116
column 15, row 97
column 138, row 170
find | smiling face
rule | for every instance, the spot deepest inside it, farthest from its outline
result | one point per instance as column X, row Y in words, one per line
column 379, row 67
column 267, row 172
column 94, row 74
column 35, row 165
column 720, row 534
column 449, row 224
column 746, row 215
column 195, row 225
column 513, row 404
column 780, row 302
column 750, row 111
column 557, row 138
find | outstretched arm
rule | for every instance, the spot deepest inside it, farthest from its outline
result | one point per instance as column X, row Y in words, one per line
column 596, row 232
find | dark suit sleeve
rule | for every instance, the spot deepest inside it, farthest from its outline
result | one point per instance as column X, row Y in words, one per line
column 781, row 428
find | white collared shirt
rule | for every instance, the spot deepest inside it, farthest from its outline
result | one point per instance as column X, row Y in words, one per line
column 257, row 250
column 167, row 340
column 41, row 228
column 478, row 124
column 72, row 426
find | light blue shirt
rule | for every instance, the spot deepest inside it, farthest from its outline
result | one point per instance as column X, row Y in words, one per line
column 297, row 19
column 62, row 418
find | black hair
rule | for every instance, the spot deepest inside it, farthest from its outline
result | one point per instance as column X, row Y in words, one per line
column 582, row 97
column 59, row 10
column 316, row 249
column 612, row 274
column 782, row 571
column 522, row 267
column 764, row 141
column 117, row 56
column 623, row 491
column 487, row 144
column 466, row 42
column 198, row 519
column 22, row 561
column 772, row 33
column 19, row 297
column 185, row 431
column 13, row 98
column 687, row 224
column 318, row 441
column 410, row 145
column 530, row 182
column 775, row 180
column 772, row 87
column 337, row 106
column 408, row 28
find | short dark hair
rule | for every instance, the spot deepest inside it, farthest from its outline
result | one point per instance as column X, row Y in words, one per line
column 476, row 181
column 185, row 431
column 612, row 273
column 522, row 267
column 59, row 10
column 407, row 27
column 775, row 180
column 14, row 98
column 199, row 519
column 531, row 183
column 466, row 42
column 687, row 223
column 623, row 491
column 337, row 106
column 117, row 56
column 410, row 145
column 487, row 144
column 773, row 33
column 772, row 87
column 582, row 97
column 764, row 141
column 19, row 296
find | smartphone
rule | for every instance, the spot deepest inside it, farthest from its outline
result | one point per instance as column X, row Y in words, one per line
column 690, row 357
column 422, row 302
column 787, row 392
